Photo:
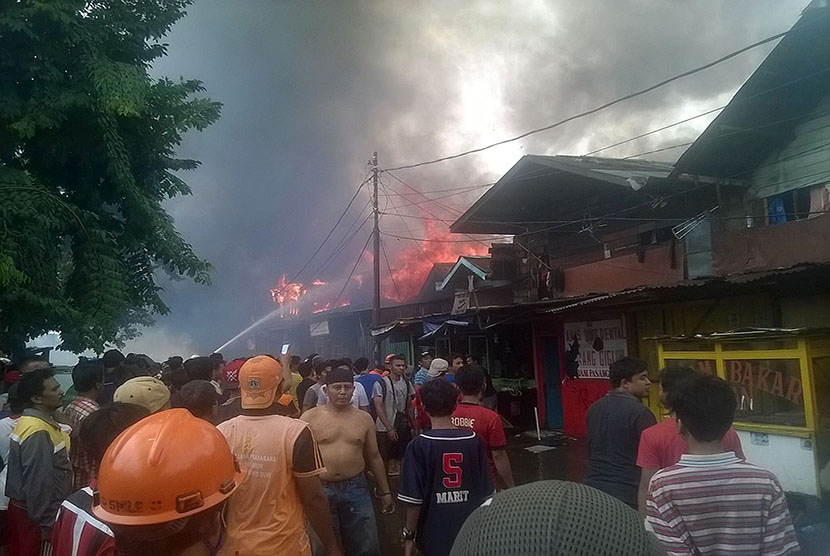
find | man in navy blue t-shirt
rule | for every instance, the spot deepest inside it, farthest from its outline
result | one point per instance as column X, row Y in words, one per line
column 445, row 476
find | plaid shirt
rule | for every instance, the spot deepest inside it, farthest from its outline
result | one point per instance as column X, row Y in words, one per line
column 82, row 467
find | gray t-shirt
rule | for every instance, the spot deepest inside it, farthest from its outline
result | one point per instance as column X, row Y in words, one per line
column 394, row 402
column 615, row 423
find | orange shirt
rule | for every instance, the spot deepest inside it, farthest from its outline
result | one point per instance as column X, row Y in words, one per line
column 265, row 514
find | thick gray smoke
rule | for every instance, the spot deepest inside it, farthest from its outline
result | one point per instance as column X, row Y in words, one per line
column 310, row 89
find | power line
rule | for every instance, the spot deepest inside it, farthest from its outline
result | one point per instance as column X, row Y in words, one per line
column 340, row 249
column 625, row 219
column 597, row 109
column 427, row 240
column 349, row 278
column 408, row 230
column 443, row 206
column 653, row 131
column 328, row 235
column 391, row 274
column 543, row 173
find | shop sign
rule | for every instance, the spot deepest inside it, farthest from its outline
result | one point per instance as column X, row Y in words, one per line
column 592, row 346
column 750, row 375
column 319, row 329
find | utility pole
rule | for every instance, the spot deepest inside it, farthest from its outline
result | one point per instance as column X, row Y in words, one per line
column 376, row 258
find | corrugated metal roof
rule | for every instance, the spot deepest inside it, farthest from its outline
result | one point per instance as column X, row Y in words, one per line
column 747, row 334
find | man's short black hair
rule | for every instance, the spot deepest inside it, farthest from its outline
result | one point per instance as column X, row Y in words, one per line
column 217, row 358
column 321, row 365
column 125, row 372
column 305, row 369
column 338, row 363
column 295, row 362
column 31, row 384
column 439, row 398
column 705, row 406
column 112, row 358
column 24, row 363
column 672, row 379
column 625, row 368
column 454, row 356
column 397, row 357
column 16, row 403
column 361, row 364
column 178, row 378
column 199, row 368
column 470, row 379
column 199, row 398
column 86, row 375
column 105, row 424
column 138, row 360
column 476, row 359
column 175, row 362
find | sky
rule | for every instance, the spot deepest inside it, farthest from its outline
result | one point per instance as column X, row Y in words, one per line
column 311, row 89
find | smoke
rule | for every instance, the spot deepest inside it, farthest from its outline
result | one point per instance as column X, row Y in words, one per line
column 310, row 90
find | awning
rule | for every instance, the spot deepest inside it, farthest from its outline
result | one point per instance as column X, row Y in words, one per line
column 432, row 326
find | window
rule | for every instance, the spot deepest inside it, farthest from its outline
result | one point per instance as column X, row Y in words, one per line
column 769, row 391
column 789, row 206
column 699, row 250
column 705, row 366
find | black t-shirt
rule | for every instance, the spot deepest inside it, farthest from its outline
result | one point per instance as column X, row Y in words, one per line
column 615, row 423
column 445, row 471
column 302, row 388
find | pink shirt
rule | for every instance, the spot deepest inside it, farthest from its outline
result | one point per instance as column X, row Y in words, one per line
column 662, row 446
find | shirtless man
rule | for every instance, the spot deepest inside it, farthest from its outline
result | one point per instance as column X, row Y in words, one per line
column 346, row 437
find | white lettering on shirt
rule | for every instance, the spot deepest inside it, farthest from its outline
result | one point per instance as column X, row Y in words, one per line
column 451, row 497
column 464, row 422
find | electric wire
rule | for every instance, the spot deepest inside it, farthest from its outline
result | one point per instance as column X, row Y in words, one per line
column 351, row 273
column 596, row 109
column 329, row 234
column 391, row 274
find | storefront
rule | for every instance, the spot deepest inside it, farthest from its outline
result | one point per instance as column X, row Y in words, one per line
column 572, row 362
column 781, row 378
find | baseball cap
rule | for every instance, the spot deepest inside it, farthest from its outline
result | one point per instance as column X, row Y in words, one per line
column 146, row 391
column 259, row 379
column 230, row 374
column 390, row 357
column 555, row 518
column 437, row 367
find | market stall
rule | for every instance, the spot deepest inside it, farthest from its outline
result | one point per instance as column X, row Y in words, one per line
column 781, row 378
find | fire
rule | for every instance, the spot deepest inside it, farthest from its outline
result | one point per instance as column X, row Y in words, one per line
column 328, row 306
column 287, row 293
column 412, row 262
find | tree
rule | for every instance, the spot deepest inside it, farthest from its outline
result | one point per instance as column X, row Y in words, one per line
column 87, row 156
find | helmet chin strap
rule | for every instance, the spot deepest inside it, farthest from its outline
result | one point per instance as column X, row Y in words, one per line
column 213, row 550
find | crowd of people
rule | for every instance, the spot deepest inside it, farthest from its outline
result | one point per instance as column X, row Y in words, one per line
column 261, row 455
column 283, row 455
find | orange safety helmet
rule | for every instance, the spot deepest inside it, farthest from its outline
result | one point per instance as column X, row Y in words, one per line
column 166, row 467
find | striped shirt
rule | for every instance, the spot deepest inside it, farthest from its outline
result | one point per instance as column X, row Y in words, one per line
column 718, row 504
column 77, row 532
column 82, row 467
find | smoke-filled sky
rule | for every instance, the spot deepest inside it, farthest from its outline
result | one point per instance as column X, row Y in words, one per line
column 310, row 89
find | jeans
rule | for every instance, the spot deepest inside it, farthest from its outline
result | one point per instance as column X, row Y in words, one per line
column 353, row 516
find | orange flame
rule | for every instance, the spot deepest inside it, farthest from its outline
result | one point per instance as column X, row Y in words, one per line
column 412, row 262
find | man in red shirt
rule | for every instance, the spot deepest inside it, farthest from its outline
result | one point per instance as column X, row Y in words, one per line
column 661, row 445
column 469, row 414
column 76, row 530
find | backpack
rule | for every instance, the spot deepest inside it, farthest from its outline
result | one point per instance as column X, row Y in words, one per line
column 409, row 387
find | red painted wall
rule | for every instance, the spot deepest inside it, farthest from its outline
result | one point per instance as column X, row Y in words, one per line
column 619, row 273
column 577, row 396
